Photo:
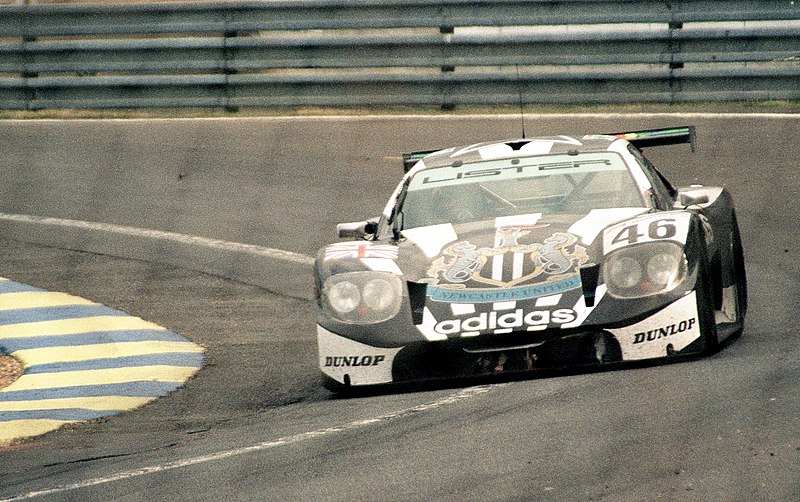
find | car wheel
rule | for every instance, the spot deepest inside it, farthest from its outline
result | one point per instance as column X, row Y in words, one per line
column 740, row 277
column 705, row 309
column 606, row 348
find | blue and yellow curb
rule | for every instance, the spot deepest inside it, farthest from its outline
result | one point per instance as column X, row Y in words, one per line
column 82, row 360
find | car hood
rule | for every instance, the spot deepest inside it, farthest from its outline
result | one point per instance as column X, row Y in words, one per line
column 506, row 274
column 505, row 258
column 496, row 276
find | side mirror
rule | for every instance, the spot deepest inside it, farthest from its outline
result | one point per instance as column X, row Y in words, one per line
column 694, row 198
column 357, row 229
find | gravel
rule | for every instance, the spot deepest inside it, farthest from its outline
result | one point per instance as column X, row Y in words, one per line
column 10, row 370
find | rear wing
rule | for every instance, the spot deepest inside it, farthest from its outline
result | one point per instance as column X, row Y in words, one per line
column 659, row 137
column 409, row 159
column 640, row 139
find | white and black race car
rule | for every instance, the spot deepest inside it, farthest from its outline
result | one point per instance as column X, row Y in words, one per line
column 529, row 254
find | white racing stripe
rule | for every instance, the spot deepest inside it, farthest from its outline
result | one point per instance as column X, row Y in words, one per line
column 431, row 239
column 193, row 240
column 456, row 397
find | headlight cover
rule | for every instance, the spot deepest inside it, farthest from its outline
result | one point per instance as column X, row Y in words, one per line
column 362, row 297
column 644, row 270
column 344, row 297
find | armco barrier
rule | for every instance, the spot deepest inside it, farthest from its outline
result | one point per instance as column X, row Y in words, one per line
column 347, row 52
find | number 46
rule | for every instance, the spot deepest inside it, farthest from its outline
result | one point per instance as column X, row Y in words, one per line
column 658, row 229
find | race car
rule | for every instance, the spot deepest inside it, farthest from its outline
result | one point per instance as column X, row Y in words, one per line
column 529, row 254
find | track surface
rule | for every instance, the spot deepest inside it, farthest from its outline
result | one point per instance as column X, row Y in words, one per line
column 255, row 425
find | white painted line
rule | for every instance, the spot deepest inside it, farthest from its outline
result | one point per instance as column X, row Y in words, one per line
column 461, row 395
column 193, row 240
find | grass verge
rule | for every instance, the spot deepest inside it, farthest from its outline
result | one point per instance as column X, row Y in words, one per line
column 300, row 111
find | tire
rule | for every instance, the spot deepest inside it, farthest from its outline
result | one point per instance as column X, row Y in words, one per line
column 606, row 348
column 704, row 294
column 740, row 276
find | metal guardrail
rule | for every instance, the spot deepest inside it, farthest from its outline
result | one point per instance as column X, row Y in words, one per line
column 348, row 52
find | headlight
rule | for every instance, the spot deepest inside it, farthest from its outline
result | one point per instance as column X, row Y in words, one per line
column 379, row 294
column 363, row 297
column 344, row 297
column 624, row 272
column 663, row 268
column 644, row 270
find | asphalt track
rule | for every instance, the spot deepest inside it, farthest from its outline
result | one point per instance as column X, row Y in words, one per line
column 254, row 423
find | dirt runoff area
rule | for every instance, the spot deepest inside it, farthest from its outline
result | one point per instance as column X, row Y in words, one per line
column 10, row 370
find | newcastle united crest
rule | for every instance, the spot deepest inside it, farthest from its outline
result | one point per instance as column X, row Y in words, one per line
column 508, row 271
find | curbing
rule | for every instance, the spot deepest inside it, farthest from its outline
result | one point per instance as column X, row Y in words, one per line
column 82, row 360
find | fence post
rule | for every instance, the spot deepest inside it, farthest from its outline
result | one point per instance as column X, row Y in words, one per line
column 27, row 75
column 228, row 68
column 675, row 59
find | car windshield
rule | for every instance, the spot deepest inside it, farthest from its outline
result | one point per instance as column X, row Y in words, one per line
column 547, row 184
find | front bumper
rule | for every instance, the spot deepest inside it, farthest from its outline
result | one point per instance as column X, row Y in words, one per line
column 673, row 330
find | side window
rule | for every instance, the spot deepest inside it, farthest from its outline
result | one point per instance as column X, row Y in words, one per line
column 664, row 192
